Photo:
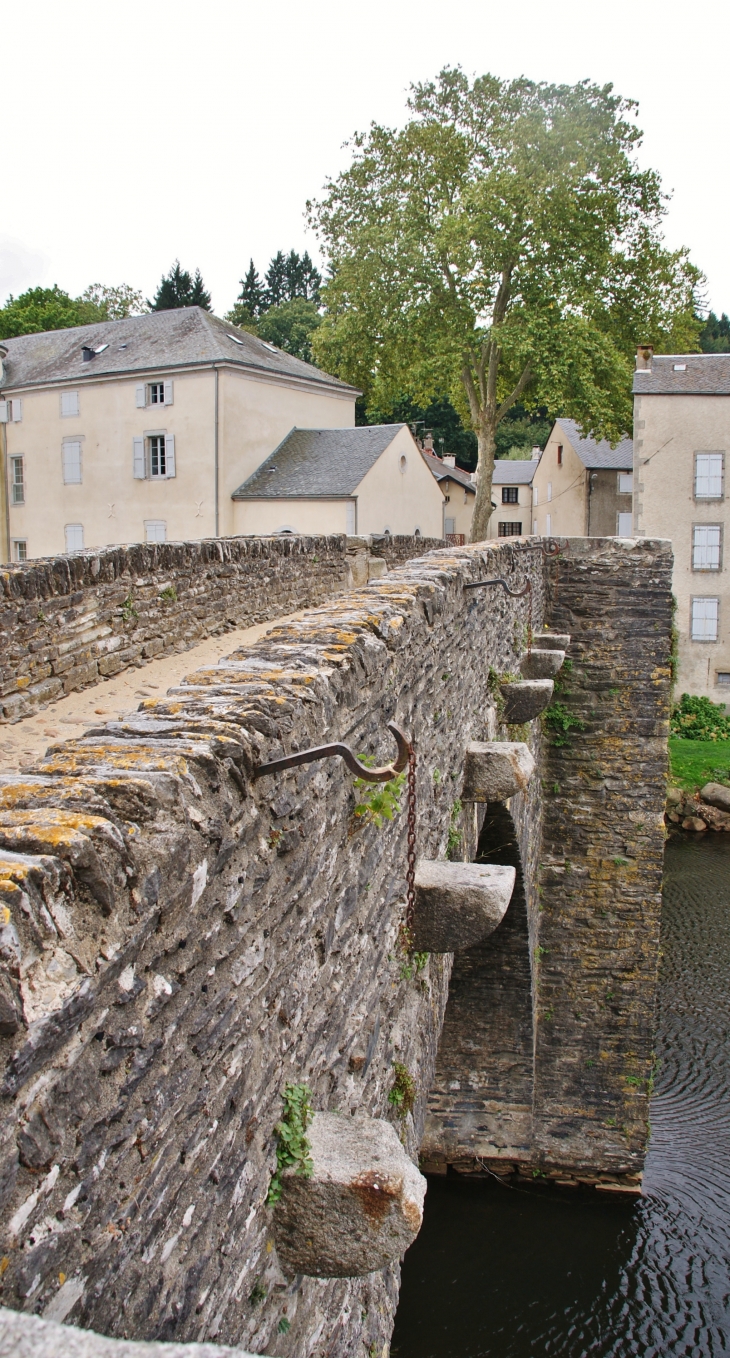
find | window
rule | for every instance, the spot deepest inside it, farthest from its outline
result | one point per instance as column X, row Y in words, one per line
column 69, row 403
column 74, row 537
column 449, row 527
column 155, row 530
column 157, row 455
column 560, row 454
column 705, row 614
column 706, row 546
column 20, row 549
column 535, row 497
column 17, row 481
column 403, row 462
column 509, row 530
column 626, row 483
column 624, row 525
column 71, row 452
column 548, row 525
column 709, row 468
column 534, row 526
column 723, row 677
column 510, row 495
column 550, row 491
column 153, row 394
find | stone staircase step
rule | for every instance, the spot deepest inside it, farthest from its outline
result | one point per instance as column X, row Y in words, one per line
column 495, row 770
column 539, row 664
column 525, row 699
column 459, row 904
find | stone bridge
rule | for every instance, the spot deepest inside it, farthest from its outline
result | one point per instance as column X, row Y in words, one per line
column 183, row 941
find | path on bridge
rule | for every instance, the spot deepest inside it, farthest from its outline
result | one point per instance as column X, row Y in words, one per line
column 27, row 740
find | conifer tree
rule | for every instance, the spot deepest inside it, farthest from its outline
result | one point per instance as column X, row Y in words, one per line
column 178, row 289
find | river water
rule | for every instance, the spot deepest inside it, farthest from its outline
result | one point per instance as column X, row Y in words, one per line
column 503, row 1272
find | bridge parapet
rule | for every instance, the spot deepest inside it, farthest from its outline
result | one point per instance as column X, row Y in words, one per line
column 181, row 941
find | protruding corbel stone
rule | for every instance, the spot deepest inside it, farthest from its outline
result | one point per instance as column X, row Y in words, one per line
column 362, row 1206
column 459, row 904
column 552, row 641
column 525, row 699
column 495, row 770
column 541, row 664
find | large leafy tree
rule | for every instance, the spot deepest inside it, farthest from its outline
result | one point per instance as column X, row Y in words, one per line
column 290, row 327
column 41, row 309
column 502, row 247
column 178, row 288
column 114, row 304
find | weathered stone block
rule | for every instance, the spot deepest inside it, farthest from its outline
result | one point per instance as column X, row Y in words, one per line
column 459, row 904
column 495, row 770
column 525, row 699
column 27, row 1336
column 362, row 1206
column 553, row 641
column 377, row 568
column 541, row 664
column 716, row 794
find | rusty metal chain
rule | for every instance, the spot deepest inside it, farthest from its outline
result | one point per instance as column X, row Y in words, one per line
column 411, row 869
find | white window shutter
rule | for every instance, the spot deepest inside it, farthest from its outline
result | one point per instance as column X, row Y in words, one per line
column 168, row 393
column 169, row 455
column 3, row 412
column 141, row 396
column 138, row 458
column 72, row 464
column 17, row 410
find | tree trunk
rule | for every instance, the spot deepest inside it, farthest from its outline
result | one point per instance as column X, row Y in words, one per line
column 485, row 469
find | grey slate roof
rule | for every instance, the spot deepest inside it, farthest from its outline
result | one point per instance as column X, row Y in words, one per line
column 513, row 473
column 702, row 375
column 161, row 340
column 442, row 472
column 318, row 463
column 598, row 456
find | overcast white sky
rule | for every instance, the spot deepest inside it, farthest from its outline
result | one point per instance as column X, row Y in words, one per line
column 138, row 132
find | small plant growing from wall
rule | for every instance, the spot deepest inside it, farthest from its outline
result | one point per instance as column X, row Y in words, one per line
column 168, row 595
column 559, row 721
column 378, row 802
column 453, row 839
column 129, row 612
column 292, row 1148
column 402, row 1094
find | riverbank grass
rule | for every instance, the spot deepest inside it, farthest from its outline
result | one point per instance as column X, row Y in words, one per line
column 696, row 762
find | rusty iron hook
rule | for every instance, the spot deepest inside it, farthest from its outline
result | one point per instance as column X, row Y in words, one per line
column 382, row 775
column 514, row 593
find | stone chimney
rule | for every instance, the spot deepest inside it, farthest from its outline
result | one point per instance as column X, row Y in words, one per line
column 449, row 460
column 428, row 443
column 644, row 355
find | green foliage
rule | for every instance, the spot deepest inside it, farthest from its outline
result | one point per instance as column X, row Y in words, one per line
column 521, row 431
column 699, row 719
column 288, row 278
column 129, row 612
column 114, row 304
column 438, row 417
column 402, row 1094
column 290, row 327
column 621, row 862
column 41, row 309
column 453, row 838
column 292, row 1146
column 284, row 1325
column 179, row 289
column 169, row 594
column 378, row 801
column 258, row 1293
column 560, row 721
column 715, row 335
column 502, row 246
column 696, row 762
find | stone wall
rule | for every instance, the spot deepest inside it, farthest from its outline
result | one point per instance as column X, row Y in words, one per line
column 546, row 1056
column 180, row 940
column 69, row 621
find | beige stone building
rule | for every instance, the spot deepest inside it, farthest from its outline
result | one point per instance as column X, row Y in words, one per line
column 582, row 488
column 681, row 444
column 141, row 429
column 459, row 491
column 372, row 479
column 512, row 496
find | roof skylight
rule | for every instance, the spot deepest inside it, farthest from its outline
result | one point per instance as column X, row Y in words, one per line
column 101, row 348
column 679, row 367
column 235, row 339
column 272, row 347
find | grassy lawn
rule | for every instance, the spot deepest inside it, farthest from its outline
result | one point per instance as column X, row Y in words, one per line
column 695, row 762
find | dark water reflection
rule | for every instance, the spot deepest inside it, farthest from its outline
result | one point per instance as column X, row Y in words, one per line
column 505, row 1272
